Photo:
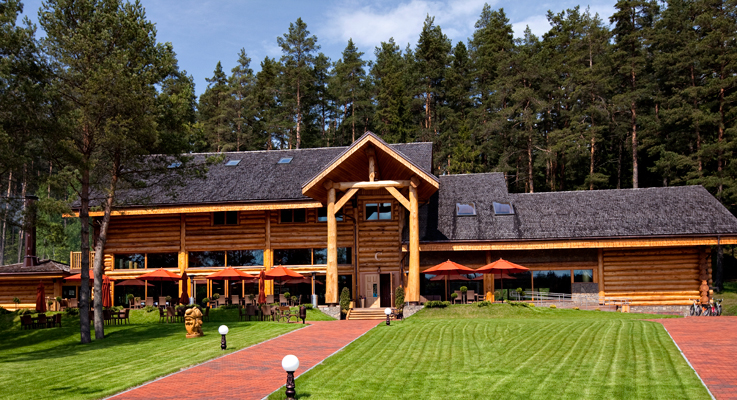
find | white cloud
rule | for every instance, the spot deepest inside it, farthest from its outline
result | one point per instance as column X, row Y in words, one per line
column 369, row 25
column 538, row 25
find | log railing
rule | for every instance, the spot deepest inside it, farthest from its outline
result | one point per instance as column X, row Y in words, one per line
column 75, row 259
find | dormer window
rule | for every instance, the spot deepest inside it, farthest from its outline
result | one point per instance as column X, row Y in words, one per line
column 285, row 160
column 233, row 163
column 465, row 209
column 503, row 208
column 175, row 164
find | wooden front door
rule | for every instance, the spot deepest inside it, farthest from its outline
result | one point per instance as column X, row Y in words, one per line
column 372, row 291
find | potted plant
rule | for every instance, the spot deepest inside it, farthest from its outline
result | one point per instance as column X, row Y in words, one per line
column 294, row 300
column 363, row 301
column 345, row 301
column 206, row 302
column 130, row 297
column 251, row 297
column 214, row 298
column 520, row 293
column 454, row 296
column 287, row 297
column 168, row 299
column 399, row 302
column 463, row 294
column 17, row 302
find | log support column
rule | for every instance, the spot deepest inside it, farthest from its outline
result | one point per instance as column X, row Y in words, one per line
column 268, row 255
column 600, row 277
column 182, row 256
column 413, row 279
column 331, row 279
column 488, row 281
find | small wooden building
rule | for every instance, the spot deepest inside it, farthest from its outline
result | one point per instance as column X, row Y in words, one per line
column 372, row 216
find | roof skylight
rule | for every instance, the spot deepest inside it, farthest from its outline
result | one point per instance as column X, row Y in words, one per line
column 285, row 160
column 232, row 163
column 465, row 209
column 175, row 164
column 503, row 208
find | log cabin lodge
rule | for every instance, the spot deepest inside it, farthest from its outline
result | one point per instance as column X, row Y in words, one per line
column 372, row 216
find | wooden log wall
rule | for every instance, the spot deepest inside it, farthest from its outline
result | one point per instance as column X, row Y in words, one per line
column 380, row 235
column 143, row 234
column 665, row 276
column 25, row 291
column 310, row 234
column 202, row 235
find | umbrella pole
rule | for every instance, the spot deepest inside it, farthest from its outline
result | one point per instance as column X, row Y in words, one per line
column 446, row 288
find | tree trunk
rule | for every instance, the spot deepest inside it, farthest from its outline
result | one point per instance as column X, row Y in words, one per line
column 591, row 161
column 634, row 145
column 696, row 123
column 84, row 290
column 5, row 220
column 99, row 262
column 23, row 197
column 529, row 162
column 299, row 115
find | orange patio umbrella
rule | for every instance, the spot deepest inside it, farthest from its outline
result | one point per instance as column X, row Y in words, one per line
column 40, row 298
column 78, row 277
column 448, row 268
column 456, row 278
column 106, row 301
column 160, row 275
column 184, row 298
column 502, row 267
column 261, row 288
column 231, row 274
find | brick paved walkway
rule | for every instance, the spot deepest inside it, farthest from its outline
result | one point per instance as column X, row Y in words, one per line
column 254, row 372
column 710, row 345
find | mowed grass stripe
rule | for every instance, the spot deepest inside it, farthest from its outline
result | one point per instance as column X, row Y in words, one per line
column 598, row 356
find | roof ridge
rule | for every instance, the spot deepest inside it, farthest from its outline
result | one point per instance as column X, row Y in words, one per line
column 614, row 190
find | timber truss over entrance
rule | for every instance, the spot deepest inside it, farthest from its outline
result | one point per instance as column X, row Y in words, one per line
column 370, row 164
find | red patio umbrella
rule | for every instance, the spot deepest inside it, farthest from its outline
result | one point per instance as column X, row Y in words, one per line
column 261, row 288
column 500, row 267
column 78, row 277
column 281, row 274
column 133, row 282
column 106, row 302
column 456, row 278
column 446, row 269
column 231, row 274
column 184, row 298
column 40, row 298
column 160, row 275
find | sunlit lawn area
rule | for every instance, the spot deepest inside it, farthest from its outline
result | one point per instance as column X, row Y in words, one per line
column 51, row 364
column 507, row 352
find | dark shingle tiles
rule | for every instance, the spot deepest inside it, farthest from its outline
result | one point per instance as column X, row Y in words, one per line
column 685, row 210
column 44, row 266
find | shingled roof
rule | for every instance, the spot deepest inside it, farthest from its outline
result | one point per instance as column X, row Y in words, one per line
column 43, row 267
column 668, row 211
column 258, row 177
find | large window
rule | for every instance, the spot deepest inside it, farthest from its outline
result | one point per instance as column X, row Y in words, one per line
column 163, row 260
column 378, row 211
column 552, row 281
column 130, row 261
column 322, row 215
column 310, row 256
column 245, row 258
column 206, row 259
column 583, row 275
column 290, row 216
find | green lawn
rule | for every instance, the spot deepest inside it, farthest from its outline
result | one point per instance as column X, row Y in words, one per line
column 507, row 352
column 729, row 305
column 51, row 364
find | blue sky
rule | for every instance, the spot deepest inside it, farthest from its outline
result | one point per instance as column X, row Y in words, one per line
column 205, row 32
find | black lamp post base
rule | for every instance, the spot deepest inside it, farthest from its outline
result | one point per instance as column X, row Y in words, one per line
column 290, row 386
column 223, row 345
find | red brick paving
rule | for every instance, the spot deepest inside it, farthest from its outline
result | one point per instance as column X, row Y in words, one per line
column 710, row 345
column 256, row 371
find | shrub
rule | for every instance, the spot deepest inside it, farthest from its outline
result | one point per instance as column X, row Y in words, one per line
column 150, row 309
column 484, row 303
column 520, row 304
column 454, row 295
column 25, row 311
column 345, row 300
column 3, row 311
column 437, row 304
column 168, row 298
column 399, row 298
column 251, row 297
column 307, row 306
column 71, row 311
column 576, row 308
column 597, row 309
column 59, row 299
column 49, row 302
column 287, row 295
column 464, row 289
column 294, row 299
column 215, row 296
column 553, row 306
column 229, row 306
column 130, row 297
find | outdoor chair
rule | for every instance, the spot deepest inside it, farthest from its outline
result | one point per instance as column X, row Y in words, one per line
column 458, row 299
column 137, row 301
column 241, row 313
column 124, row 316
column 282, row 300
column 221, row 301
column 41, row 321
column 251, row 311
column 63, row 305
column 162, row 316
column 171, row 316
column 73, row 303
column 270, row 299
column 285, row 313
column 149, row 301
column 470, row 296
column 107, row 315
column 26, row 322
column 423, row 299
column 266, row 313
column 235, row 299
column 131, row 303
column 162, row 301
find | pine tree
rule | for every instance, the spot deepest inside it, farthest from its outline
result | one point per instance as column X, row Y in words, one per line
column 324, row 99
column 633, row 21
column 389, row 93
column 350, row 84
column 214, row 113
column 297, row 47
column 241, row 102
column 456, row 144
column 270, row 115
column 431, row 55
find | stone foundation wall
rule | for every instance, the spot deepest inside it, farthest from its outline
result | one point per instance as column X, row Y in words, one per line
column 330, row 311
column 411, row 310
column 669, row 310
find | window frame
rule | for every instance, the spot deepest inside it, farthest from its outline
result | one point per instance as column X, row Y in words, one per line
column 293, row 212
column 226, row 215
column 378, row 206
column 338, row 216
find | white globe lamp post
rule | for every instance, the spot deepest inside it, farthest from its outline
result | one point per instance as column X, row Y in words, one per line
column 290, row 364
